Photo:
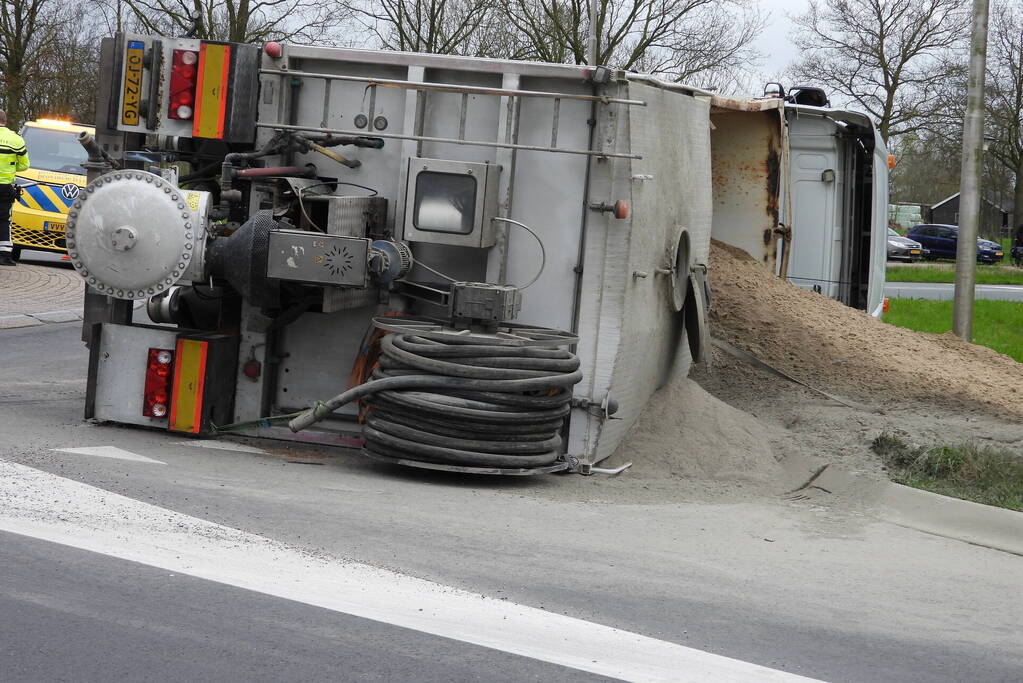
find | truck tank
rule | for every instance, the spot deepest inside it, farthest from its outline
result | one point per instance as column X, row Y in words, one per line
column 428, row 257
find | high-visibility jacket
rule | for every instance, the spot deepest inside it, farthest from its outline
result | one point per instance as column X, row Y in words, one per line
column 13, row 155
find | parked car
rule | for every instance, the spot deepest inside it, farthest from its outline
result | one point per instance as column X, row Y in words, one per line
column 904, row 249
column 941, row 241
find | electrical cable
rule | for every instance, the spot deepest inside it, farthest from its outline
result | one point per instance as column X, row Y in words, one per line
column 462, row 401
column 543, row 252
column 262, row 422
column 434, row 271
column 301, row 204
column 543, row 256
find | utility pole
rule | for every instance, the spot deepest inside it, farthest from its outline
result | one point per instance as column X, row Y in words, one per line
column 591, row 43
column 969, row 180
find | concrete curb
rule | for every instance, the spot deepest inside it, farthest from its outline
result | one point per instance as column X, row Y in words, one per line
column 952, row 518
column 960, row 520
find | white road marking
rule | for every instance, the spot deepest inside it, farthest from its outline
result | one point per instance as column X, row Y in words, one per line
column 222, row 445
column 102, row 522
column 109, row 452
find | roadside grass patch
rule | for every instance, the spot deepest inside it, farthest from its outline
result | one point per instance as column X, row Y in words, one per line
column 996, row 324
column 1001, row 274
column 983, row 474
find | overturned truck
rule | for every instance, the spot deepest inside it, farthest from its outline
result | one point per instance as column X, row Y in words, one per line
column 454, row 263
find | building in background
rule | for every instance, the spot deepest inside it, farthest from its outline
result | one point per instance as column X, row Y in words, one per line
column 994, row 221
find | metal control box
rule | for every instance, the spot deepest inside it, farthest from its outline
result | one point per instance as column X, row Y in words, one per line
column 484, row 301
column 451, row 202
column 302, row 256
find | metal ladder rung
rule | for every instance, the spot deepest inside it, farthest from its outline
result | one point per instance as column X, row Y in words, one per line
column 326, row 103
column 557, row 116
column 463, row 115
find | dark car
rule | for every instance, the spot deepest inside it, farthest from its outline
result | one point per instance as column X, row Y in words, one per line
column 903, row 249
column 941, row 241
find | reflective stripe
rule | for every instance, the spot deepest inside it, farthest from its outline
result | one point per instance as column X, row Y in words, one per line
column 56, row 196
column 189, row 384
column 13, row 155
column 36, row 197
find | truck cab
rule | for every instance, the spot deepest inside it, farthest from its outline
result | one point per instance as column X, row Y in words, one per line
column 49, row 186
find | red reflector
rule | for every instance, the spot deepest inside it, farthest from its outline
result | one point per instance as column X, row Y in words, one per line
column 156, row 394
column 182, row 84
column 252, row 368
column 621, row 209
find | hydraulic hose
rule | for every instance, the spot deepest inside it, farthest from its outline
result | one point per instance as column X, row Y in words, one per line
column 460, row 401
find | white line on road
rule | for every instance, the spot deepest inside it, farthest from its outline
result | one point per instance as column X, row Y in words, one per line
column 109, row 452
column 222, row 445
column 102, row 522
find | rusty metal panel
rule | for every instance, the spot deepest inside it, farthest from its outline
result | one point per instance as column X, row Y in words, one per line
column 749, row 158
column 723, row 103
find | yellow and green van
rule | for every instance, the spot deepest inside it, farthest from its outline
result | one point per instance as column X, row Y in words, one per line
column 49, row 186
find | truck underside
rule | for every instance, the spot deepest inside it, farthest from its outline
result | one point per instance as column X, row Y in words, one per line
column 451, row 263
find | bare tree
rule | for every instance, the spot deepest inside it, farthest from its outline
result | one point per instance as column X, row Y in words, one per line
column 240, row 21
column 436, row 26
column 26, row 28
column 927, row 170
column 886, row 56
column 676, row 38
column 1005, row 94
column 65, row 75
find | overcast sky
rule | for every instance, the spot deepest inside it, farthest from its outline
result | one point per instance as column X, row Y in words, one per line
column 775, row 43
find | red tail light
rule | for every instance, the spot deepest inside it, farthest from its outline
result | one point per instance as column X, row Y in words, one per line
column 184, row 75
column 159, row 375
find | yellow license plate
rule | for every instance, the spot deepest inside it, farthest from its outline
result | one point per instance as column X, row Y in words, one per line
column 999, row 253
column 50, row 226
column 132, row 82
column 914, row 251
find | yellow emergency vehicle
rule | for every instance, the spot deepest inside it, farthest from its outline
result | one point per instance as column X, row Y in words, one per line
column 50, row 185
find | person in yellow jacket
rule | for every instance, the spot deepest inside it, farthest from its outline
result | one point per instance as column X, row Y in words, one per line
column 13, row 158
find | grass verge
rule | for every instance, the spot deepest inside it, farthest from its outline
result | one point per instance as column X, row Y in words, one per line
column 945, row 272
column 996, row 324
column 983, row 474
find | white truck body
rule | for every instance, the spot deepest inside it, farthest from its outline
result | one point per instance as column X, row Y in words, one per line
column 561, row 152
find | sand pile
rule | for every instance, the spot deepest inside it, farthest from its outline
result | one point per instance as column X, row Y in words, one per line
column 846, row 351
column 684, row 432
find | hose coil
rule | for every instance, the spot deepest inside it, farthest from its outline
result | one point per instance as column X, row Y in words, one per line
column 469, row 402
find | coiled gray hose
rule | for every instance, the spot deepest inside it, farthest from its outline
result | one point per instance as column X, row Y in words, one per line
column 462, row 402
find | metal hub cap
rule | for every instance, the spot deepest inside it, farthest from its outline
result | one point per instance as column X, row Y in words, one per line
column 131, row 234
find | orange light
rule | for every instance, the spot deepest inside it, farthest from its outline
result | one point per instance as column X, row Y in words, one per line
column 891, row 161
column 885, row 306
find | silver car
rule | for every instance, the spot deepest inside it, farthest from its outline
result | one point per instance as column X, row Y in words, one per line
column 903, row 249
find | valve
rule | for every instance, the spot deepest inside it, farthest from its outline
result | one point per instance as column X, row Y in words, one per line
column 620, row 209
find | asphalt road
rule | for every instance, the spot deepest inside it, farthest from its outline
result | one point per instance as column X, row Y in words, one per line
column 943, row 291
column 114, row 569
column 71, row 615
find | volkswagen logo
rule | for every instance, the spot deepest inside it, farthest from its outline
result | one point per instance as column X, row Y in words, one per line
column 70, row 191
